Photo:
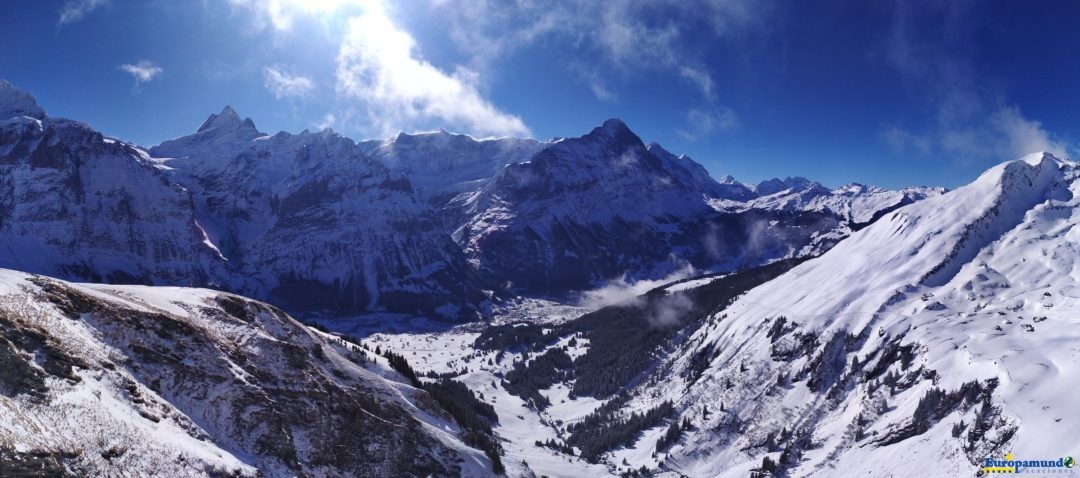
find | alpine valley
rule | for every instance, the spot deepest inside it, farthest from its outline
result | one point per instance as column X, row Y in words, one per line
column 236, row 303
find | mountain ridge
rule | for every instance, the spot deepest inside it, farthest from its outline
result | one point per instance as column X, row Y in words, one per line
column 420, row 224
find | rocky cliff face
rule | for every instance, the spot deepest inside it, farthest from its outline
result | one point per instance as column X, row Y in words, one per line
column 585, row 210
column 314, row 223
column 78, row 205
column 307, row 221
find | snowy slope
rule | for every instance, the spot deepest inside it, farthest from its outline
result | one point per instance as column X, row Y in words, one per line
column 943, row 334
column 971, row 292
column 158, row 381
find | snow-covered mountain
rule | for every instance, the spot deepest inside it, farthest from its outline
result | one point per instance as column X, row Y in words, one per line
column 434, row 224
column 583, row 211
column 839, row 332
column 943, row 334
column 442, row 164
column 857, row 204
column 76, row 204
column 307, row 221
column 311, row 222
column 103, row 380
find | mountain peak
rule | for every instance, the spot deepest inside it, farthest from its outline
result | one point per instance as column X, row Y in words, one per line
column 227, row 119
column 15, row 101
column 614, row 125
column 775, row 185
column 1038, row 157
column 612, row 130
column 225, row 127
column 727, row 179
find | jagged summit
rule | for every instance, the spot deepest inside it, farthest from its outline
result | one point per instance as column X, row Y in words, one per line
column 614, row 124
column 15, row 102
column 611, row 128
column 227, row 119
column 775, row 185
column 437, row 137
column 225, row 130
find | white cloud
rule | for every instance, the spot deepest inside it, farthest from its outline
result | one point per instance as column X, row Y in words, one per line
column 595, row 78
column 142, row 71
column 1024, row 136
column 700, row 78
column 623, row 291
column 75, row 10
column 378, row 66
column 285, row 85
column 388, row 85
column 901, row 139
column 600, row 90
column 282, row 14
column 327, row 121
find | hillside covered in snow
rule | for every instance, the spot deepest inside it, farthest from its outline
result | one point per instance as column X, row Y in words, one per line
column 105, row 380
column 944, row 334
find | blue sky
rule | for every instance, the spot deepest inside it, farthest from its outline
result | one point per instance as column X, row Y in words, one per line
column 892, row 93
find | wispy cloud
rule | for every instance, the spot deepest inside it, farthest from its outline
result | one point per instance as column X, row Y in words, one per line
column 283, row 84
column 624, row 35
column 143, row 71
column 327, row 121
column 625, row 291
column 281, row 15
column 379, row 66
column 704, row 122
column 75, row 10
column 699, row 77
column 970, row 117
column 615, row 40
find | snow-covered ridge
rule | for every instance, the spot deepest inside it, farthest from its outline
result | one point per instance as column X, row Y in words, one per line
column 857, row 203
column 908, row 246
column 940, row 333
column 441, row 163
column 163, row 381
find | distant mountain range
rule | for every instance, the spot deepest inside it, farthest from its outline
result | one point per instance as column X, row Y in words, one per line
column 434, row 224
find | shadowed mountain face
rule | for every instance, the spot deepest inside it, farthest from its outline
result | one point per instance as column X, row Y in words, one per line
column 585, row 210
column 314, row 223
column 76, row 204
column 433, row 224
